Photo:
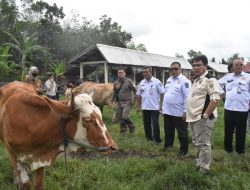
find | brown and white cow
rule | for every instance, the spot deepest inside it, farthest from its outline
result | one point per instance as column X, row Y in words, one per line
column 102, row 92
column 30, row 129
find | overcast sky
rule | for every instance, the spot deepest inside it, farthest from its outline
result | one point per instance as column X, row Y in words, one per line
column 217, row 28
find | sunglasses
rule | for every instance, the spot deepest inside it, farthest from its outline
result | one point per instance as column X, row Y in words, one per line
column 197, row 65
column 174, row 69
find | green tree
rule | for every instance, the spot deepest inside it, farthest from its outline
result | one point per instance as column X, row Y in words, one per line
column 8, row 17
column 111, row 33
column 223, row 61
column 233, row 57
column 140, row 47
column 179, row 55
column 6, row 66
column 49, row 26
column 59, row 68
column 193, row 54
column 24, row 47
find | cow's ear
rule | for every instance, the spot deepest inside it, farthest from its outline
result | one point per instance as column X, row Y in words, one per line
column 72, row 101
column 91, row 93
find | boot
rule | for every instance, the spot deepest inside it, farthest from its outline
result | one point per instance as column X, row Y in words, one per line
column 123, row 127
column 131, row 128
column 130, row 125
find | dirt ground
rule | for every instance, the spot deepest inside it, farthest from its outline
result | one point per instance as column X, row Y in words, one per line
column 119, row 154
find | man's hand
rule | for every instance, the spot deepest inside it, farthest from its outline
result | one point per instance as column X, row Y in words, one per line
column 184, row 116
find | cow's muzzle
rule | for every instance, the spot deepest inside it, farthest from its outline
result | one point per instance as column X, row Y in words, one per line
column 107, row 148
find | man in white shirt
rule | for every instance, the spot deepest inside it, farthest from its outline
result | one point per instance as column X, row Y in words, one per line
column 148, row 95
column 174, row 108
column 51, row 87
column 237, row 87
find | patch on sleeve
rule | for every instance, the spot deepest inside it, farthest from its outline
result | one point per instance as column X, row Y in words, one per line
column 210, row 84
column 186, row 84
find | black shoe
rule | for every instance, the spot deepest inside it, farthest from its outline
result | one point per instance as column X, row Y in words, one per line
column 166, row 148
column 131, row 128
column 182, row 154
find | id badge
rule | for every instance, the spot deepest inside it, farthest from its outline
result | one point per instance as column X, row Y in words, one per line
column 238, row 90
column 151, row 92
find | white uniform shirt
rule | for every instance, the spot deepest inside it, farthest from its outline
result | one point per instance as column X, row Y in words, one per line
column 237, row 91
column 175, row 97
column 50, row 87
column 150, row 92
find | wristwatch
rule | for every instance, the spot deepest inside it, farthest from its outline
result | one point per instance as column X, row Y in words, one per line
column 205, row 116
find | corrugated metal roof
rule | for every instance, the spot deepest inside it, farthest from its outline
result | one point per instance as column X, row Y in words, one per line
column 117, row 55
column 218, row 67
column 126, row 56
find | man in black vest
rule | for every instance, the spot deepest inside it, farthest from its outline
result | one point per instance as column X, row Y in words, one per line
column 201, row 110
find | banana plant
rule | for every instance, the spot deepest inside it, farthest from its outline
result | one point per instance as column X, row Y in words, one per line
column 24, row 45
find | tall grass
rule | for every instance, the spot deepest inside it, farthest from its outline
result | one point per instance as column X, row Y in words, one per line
column 149, row 168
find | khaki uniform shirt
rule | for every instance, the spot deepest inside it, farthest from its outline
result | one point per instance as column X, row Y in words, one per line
column 37, row 83
column 126, row 90
column 201, row 87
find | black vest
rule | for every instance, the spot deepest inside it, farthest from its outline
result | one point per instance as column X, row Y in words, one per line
column 211, row 116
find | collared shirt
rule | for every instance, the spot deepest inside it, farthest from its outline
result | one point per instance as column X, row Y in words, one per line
column 125, row 92
column 50, row 87
column 201, row 87
column 150, row 92
column 176, row 93
column 237, row 91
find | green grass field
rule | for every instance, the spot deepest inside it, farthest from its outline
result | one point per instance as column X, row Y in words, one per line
column 142, row 165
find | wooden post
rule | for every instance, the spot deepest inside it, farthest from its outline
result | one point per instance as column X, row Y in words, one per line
column 154, row 73
column 163, row 77
column 134, row 71
column 81, row 70
column 106, row 72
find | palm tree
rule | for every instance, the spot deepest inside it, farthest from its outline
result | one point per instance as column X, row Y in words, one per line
column 59, row 68
column 4, row 68
column 24, row 46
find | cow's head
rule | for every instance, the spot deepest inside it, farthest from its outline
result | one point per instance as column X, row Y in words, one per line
column 68, row 93
column 91, row 130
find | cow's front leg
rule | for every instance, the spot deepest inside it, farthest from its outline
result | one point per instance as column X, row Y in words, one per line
column 23, row 176
column 38, row 178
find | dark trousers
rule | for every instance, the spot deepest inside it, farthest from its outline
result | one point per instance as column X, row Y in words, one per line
column 237, row 120
column 170, row 124
column 151, row 121
column 52, row 97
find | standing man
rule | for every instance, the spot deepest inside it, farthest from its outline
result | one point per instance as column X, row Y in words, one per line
column 247, row 70
column 148, row 95
column 201, row 111
column 32, row 79
column 122, row 93
column 174, row 108
column 236, row 106
column 51, row 87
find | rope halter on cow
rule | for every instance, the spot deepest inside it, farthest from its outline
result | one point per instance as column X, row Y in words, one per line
column 65, row 141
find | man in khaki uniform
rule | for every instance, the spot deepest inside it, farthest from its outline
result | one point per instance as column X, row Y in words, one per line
column 201, row 110
column 32, row 78
column 122, row 93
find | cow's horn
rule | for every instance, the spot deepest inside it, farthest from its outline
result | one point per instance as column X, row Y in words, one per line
column 92, row 92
